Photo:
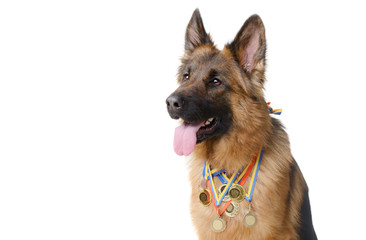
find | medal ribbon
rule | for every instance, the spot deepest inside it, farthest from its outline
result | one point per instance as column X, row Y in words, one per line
column 208, row 175
column 219, row 198
column 249, row 195
column 215, row 173
column 243, row 177
column 220, row 174
column 274, row 111
column 227, row 204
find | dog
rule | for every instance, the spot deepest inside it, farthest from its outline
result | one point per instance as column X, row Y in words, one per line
column 226, row 129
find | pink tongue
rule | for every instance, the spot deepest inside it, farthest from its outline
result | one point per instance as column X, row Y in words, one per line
column 185, row 138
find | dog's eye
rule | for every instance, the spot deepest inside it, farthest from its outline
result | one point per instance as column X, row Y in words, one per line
column 216, row 82
column 185, row 76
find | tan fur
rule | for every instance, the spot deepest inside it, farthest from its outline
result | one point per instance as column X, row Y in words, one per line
column 252, row 127
column 280, row 186
column 275, row 220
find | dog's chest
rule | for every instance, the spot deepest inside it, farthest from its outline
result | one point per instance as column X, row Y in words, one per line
column 245, row 220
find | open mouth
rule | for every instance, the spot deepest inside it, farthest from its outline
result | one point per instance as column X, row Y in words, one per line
column 189, row 134
column 209, row 127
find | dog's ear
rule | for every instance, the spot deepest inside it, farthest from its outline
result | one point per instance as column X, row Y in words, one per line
column 196, row 34
column 249, row 45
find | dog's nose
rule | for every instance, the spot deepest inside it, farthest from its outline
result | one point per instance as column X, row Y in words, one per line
column 174, row 102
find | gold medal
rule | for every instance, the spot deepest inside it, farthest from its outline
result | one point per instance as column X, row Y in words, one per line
column 250, row 220
column 218, row 225
column 236, row 193
column 232, row 210
column 205, row 197
column 221, row 190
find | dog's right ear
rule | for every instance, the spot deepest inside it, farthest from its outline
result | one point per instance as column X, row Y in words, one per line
column 196, row 34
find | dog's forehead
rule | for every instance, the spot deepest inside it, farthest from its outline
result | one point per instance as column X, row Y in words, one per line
column 205, row 58
column 204, row 54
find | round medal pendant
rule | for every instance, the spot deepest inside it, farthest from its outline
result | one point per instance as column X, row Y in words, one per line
column 236, row 193
column 250, row 220
column 205, row 197
column 221, row 190
column 218, row 225
column 232, row 210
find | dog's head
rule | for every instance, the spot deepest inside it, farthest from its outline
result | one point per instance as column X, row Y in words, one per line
column 221, row 91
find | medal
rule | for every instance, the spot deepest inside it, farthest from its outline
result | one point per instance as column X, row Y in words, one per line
column 221, row 190
column 231, row 192
column 218, row 225
column 250, row 220
column 237, row 193
column 205, row 197
column 232, row 210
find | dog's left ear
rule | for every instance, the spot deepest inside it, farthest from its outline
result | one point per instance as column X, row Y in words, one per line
column 249, row 45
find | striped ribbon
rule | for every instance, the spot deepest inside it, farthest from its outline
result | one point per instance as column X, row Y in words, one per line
column 209, row 174
column 219, row 198
column 249, row 194
column 274, row 111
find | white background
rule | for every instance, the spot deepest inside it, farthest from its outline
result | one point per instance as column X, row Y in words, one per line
column 85, row 139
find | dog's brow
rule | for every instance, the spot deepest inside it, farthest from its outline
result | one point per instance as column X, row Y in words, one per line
column 212, row 74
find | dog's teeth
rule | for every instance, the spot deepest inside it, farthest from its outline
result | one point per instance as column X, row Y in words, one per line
column 208, row 122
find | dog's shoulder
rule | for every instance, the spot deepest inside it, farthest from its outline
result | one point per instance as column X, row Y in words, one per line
column 306, row 229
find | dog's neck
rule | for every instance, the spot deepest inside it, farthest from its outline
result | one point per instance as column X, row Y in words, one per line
column 251, row 128
column 224, row 153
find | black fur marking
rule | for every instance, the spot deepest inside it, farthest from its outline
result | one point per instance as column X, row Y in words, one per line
column 291, row 176
column 195, row 107
column 306, row 230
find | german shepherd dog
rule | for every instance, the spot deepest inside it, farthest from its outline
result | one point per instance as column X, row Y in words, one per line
column 225, row 121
